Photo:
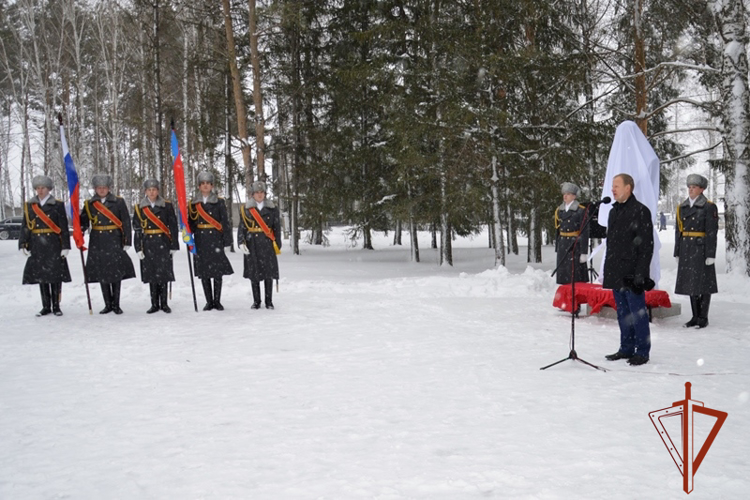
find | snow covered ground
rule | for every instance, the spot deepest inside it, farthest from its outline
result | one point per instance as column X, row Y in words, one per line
column 375, row 377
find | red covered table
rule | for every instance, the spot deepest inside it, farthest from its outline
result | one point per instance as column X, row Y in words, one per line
column 595, row 296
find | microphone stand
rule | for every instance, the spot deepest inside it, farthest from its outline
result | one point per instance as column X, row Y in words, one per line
column 573, row 355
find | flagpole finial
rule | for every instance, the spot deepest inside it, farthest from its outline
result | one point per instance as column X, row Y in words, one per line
column 59, row 118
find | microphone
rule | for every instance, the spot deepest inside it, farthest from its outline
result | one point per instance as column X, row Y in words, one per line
column 605, row 200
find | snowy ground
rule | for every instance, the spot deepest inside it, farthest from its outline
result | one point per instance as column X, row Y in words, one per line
column 374, row 377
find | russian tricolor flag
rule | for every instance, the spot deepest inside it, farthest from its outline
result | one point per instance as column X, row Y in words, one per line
column 72, row 175
column 179, row 181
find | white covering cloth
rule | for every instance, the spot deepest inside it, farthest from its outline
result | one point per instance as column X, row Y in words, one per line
column 632, row 154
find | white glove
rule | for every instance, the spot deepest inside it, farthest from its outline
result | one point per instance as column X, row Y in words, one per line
column 141, row 255
column 677, row 259
column 64, row 253
column 26, row 253
column 710, row 261
column 245, row 250
column 172, row 252
column 583, row 258
column 126, row 248
column 228, row 249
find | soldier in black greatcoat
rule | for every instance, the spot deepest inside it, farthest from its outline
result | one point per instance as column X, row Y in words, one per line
column 209, row 223
column 630, row 247
column 569, row 218
column 156, row 240
column 110, row 239
column 259, row 237
column 45, row 240
column 696, row 230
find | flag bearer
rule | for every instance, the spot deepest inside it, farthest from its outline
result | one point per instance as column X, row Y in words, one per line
column 109, row 241
column 209, row 223
column 259, row 237
column 156, row 240
column 45, row 240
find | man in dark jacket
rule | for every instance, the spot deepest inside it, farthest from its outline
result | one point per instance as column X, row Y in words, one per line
column 45, row 240
column 259, row 237
column 696, row 228
column 156, row 240
column 109, row 241
column 209, row 223
column 569, row 218
column 630, row 246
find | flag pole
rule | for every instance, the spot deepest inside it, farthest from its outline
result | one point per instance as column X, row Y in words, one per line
column 72, row 175
column 192, row 281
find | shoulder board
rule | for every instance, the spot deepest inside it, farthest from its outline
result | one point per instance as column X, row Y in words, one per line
column 581, row 206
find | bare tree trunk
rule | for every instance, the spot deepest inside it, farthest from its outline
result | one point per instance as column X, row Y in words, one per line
column 640, row 68
column 732, row 23
column 260, row 122
column 497, row 228
column 239, row 99
column 162, row 173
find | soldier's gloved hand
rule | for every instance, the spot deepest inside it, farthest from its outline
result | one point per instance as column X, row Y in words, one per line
column 710, row 261
column 26, row 253
column 228, row 248
column 64, row 253
column 172, row 252
column 245, row 250
column 126, row 247
column 583, row 258
column 141, row 255
column 677, row 259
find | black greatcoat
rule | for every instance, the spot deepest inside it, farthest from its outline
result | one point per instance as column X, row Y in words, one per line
column 210, row 259
column 261, row 263
column 107, row 261
column 567, row 223
column 694, row 277
column 157, row 266
column 630, row 243
column 45, row 264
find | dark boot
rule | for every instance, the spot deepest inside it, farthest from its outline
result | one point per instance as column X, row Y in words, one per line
column 56, row 291
column 268, row 287
column 695, row 308
column 206, row 282
column 44, row 289
column 154, row 290
column 705, row 303
column 163, row 296
column 107, row 295
column 217, row 295
column 116, row 297
column 255, row 285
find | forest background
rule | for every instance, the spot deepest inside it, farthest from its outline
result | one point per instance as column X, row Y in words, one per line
column 387, row 115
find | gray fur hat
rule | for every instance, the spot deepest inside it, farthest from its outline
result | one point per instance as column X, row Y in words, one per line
column 42, row 181
column 150, row 183
column 101, row 180
column 205, row 176
column 257, row 187
column 569, row 187
column 697, row 180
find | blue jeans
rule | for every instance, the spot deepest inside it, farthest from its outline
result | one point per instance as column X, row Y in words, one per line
column 632, row 315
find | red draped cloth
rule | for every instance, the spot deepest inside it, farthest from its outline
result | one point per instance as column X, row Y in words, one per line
column 595, row 296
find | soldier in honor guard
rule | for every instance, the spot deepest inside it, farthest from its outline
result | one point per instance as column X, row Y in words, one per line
column 259, row 237
column 569, row 218
column 109, row 240
column 45, row 241
column 209, row 223
column 695, row 242
column 156, row 240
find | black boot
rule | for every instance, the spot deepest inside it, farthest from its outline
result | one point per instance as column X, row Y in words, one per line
column 107, row 295
column 56, row 291
column 116, row 297
column 255, row 285
column 206, row 282
column 705, row 303
column 217, row 295
column 268, row 287
column 154, row 290
column 44, row 289
column 695, row 308
column 163, row 296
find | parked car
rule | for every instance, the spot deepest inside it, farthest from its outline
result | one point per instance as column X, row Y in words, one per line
column 10, row 228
